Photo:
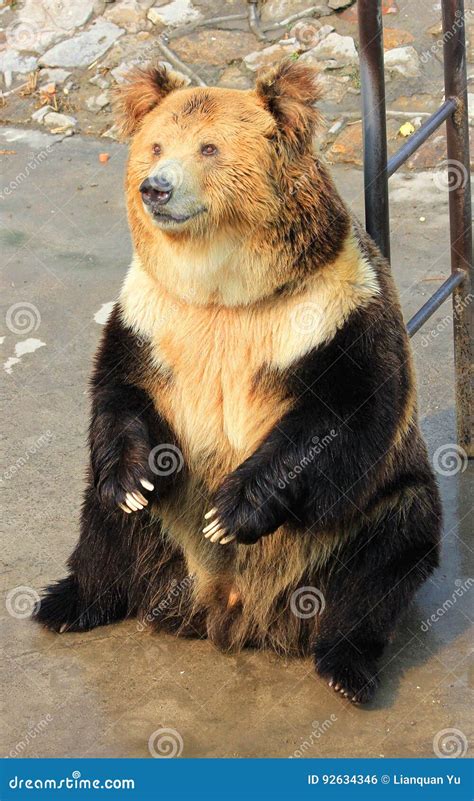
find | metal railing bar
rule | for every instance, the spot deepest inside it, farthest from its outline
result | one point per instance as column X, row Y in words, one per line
column 377, row 168
column 460, row 215
column 432, row 124
column 442, row 293
column 374, row 123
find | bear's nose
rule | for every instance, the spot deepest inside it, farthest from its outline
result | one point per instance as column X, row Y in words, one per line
column 156, row 189
column 162, row 181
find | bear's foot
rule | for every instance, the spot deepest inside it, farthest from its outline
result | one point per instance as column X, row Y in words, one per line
column 351, row 673
column 62, row 609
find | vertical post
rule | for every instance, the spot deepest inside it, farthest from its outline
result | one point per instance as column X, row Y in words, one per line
column 455, row 81
column 374, row 123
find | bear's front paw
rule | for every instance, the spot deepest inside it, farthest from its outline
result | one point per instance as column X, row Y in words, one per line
column 125, row 490
column 238, row 515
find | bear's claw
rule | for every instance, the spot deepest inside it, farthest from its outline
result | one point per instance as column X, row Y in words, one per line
column 214, row 530
column 135, row 501
column 354, row 683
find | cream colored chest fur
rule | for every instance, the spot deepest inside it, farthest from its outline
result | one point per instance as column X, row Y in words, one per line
column 212, row 355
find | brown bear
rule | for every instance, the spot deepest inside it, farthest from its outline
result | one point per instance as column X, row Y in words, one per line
column 257, row 473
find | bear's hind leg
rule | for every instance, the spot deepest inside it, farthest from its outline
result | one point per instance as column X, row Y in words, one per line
column 168, row 603
column 65, row 607
column 373, row 581
column 103, row 586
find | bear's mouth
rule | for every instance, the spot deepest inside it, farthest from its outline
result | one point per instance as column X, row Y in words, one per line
column 167, row 220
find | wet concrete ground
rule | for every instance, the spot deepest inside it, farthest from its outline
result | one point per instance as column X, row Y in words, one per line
column 105, row 693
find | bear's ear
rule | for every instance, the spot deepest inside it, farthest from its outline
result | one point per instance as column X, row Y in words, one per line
column 141, row 92
column 289, row 92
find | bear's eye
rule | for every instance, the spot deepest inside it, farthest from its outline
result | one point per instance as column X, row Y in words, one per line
column 156, row 150
column 209, row 150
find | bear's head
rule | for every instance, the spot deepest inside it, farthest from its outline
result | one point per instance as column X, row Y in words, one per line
column 215, row 164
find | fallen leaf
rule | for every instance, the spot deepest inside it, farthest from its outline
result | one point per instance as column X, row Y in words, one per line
column 406, row 129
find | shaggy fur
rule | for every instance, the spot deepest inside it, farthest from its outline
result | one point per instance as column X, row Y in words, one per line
column 263, row 339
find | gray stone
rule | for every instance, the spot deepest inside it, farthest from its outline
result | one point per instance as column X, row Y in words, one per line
column 324, row 31
column 336, row 127
column 55, row 75
column 212, row 48
column 41, row 23
column 99, row 102
column 85, row 47
column 100, row 81
column 40, row 113
column 232, row 78
column 339, row 5
column 276, row 10
column 178, row 12
column 119, row 73
column 128, row 14
column 139, row 47
column 470, row 103
column 334, row 89
column 403, row 60
column 56, row 120
column 11, row 61
column 269, row 55
column 339, row 49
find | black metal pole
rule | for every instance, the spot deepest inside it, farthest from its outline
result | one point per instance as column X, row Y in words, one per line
column 435, row 301
column 418, row 138
column 455, row 82
column 374, row 123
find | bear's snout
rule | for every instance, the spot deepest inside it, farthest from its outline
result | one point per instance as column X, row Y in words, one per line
column 156, row 189
column 170, row 195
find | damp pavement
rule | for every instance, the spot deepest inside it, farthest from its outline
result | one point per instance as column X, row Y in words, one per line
column 107, row 693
